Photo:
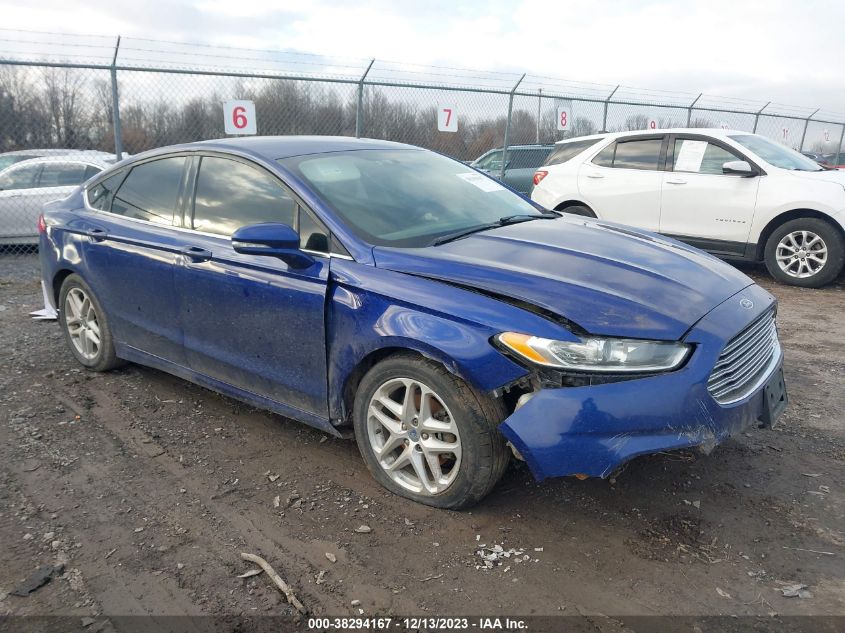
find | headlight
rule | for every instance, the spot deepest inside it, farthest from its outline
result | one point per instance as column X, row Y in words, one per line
column 597, row 354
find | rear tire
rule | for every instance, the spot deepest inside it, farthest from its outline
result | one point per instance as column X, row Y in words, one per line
column 436, row 440
column 806, row 252
column 86, row 326
column 580, row 209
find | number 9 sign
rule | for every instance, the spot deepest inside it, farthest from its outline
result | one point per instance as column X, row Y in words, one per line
column 239, row 117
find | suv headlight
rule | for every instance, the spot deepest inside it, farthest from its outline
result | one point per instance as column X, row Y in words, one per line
column 597, row 353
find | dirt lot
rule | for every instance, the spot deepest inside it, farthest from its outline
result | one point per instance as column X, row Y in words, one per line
column 147, row 488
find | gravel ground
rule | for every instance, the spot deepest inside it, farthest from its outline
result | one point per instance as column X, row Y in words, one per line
column 147, row 489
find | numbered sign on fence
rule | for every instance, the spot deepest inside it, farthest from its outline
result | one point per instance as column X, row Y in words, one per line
column 239, row 117
column 564, row 116
column 447, row 118
column 724, row 126
column 652, row 124
column 826, row 136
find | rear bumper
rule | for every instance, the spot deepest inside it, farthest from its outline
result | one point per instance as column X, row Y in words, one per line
column 594, row 430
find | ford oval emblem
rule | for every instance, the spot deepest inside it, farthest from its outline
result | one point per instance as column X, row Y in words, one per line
column 746, row 303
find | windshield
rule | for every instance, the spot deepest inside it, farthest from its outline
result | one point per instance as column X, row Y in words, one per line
column 406, row 198
column 776, row 154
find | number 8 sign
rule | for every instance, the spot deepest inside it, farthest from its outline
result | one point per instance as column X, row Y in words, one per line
column 239, row 117
column 563, row 117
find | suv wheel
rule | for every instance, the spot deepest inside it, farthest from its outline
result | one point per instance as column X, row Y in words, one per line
column 806, row 252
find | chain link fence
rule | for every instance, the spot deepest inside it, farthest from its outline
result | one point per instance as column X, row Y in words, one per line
column 70, row 105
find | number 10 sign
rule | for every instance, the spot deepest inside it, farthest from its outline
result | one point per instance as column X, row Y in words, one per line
column 239, row 117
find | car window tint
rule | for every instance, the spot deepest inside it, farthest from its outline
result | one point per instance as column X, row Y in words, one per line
column 231, row 194
column 151, row 191
column 567, row 151
column 62, row 174
column 605, row 157
column 641, row 154
column 91, row 171
column 493, row 159
column 101, row 194
column 22, row 177
column 527, row 158
column 700, row 157
column 312, row 236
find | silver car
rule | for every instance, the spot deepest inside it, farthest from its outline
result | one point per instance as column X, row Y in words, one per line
column 27, row 185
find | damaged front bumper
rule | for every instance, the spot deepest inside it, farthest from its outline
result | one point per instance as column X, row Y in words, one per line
column 593, row 430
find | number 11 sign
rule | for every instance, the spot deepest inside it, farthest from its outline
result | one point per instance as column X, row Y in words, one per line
column 239, row 117
column 447, row 118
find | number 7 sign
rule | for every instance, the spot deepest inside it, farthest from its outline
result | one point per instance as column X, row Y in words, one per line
column 239, row 117
column 447, row 118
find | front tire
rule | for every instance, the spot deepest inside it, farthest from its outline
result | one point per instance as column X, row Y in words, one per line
column 426, row 435
column 806, row 252
column 86, row 326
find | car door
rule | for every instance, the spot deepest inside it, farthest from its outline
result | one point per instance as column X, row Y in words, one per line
column 622, row 181
column 253, row 321
column 699, row 203
column 131, row 252
column 19, row 207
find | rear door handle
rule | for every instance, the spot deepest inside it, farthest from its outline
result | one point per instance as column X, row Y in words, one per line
column 97, row 235
column 196, row 253
column 676, row 181
column 595, row 175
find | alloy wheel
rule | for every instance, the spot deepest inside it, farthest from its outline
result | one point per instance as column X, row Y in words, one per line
column 82, row 324
column 801, row 254
column 414, row 436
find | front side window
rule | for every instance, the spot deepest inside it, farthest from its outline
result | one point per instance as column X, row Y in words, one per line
column 22, row 177
column 700, row 157
column 151, row 191
column 62, row 174
column 776, row 154
column 406, row 198
column 231, row 194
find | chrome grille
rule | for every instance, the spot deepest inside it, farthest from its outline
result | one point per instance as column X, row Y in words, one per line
column 745, row 360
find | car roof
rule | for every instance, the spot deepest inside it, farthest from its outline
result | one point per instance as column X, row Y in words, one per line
column 707, row 131
column 94, row 161
column 275, row 147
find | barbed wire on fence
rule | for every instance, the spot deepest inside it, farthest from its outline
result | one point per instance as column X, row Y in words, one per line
column 100, row 96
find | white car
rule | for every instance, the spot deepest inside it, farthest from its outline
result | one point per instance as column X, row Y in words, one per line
column 735, row 194
column 27, row 185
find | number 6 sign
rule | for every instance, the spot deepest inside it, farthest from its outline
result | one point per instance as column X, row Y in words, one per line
column 239, row 117
column 447, row 118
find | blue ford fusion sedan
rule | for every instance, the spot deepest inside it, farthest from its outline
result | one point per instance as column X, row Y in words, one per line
column 378, row 289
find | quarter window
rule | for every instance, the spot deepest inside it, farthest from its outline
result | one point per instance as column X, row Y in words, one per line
column 231, row 194
column 101, row 194
column 151, row 191
column 567, row 151
column 700, row 157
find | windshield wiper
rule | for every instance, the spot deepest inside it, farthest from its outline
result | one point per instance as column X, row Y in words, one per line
column 505, row 221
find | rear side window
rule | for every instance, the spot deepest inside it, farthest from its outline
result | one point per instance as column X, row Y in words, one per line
column 100, row 195
column 62, row 174
column 527, row 158
column 151, row 191
column 638, row 154
column 19, row 178
column 567, row 151
column 231, row 194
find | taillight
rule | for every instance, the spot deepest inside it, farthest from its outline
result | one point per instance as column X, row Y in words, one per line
column 41, row 224
column 539, row 175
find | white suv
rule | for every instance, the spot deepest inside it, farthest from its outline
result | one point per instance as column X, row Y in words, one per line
column 735, row 194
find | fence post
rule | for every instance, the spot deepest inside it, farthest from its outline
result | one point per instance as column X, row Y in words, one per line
column 115, row 105
column 839, row 149
column 804, row 133
column 604, row 116
column 508, row 128
column 359, row 110
column 689, row 109
column 757, row 116
column 539, row 99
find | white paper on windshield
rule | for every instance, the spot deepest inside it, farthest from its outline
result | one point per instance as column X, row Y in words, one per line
column 482, row 182
column 690, row 156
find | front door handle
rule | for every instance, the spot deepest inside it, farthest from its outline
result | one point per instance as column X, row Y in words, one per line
column 196, row 253
column 595, row 175
column 96, row 235
column 676, row 181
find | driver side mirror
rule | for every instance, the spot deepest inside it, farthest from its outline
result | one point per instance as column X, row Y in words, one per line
column 739, row 168
column 271, row 238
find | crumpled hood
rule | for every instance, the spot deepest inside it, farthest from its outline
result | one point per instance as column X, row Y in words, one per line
column 609, row 279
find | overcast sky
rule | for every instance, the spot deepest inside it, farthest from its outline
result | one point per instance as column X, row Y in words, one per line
column 787, row 51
